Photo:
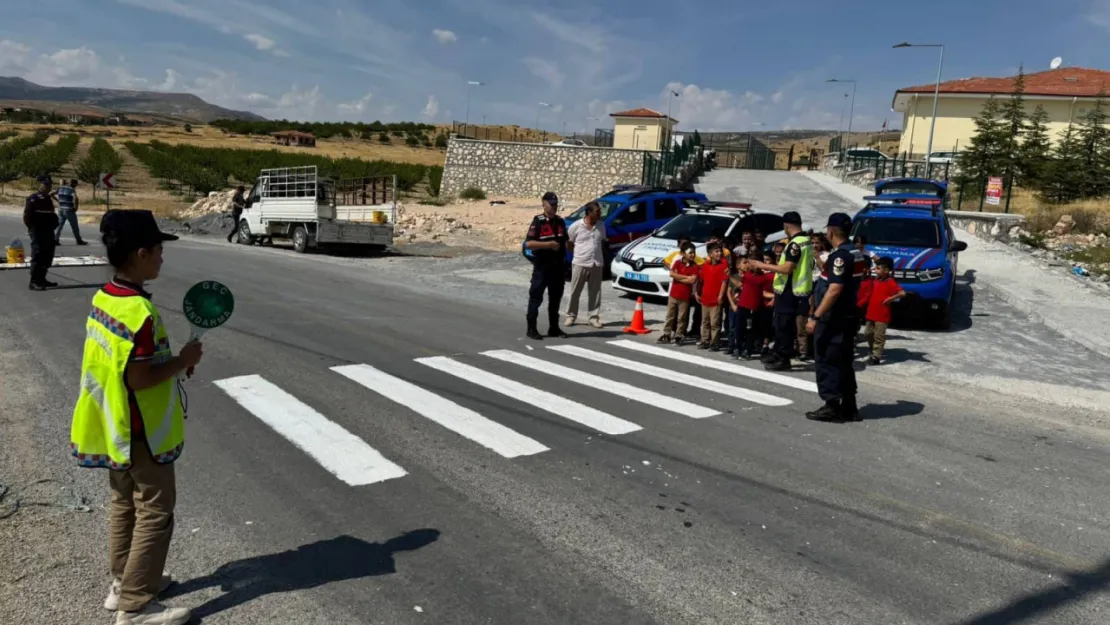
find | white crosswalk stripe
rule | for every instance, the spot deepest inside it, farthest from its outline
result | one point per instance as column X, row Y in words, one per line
column 460, row 420
column 343, row 454
column 598, row 383
column 674, row 376
column 569, row 409
column 720, row 365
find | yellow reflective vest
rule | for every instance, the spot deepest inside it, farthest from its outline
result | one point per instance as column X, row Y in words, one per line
column 100, row 435
column 802, row 283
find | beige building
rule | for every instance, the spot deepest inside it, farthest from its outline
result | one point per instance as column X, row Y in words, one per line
column 641, row 129
column 1065, row 93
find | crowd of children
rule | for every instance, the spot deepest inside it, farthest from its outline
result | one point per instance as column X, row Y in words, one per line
column 723, row 303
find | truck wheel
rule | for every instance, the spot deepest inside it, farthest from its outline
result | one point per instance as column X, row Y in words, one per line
column 300, row 240
column 244, row 232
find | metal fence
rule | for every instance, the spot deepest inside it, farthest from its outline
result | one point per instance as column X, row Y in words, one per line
column 991, row 194
column 599, row 138
column 668, row 163
column 900, row 167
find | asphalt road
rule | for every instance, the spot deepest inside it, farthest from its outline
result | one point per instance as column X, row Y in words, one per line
column 454, row 490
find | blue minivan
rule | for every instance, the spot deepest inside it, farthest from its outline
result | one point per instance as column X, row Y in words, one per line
column 906, row 221
column 631, row 212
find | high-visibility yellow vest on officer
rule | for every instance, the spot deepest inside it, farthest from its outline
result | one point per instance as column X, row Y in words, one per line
column 101, row 431
column 802, row 275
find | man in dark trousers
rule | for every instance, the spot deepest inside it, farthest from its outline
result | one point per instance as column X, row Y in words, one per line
column 238, row 203
column 834, row 325
column 792, row 285
column 547, row 238
column 41, row 222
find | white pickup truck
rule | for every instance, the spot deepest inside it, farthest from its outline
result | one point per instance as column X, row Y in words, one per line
column 294, row 203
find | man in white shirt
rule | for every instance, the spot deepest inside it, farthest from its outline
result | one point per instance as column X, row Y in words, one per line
column 586, row 239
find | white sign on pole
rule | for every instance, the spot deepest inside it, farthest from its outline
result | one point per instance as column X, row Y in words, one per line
column 106, row 181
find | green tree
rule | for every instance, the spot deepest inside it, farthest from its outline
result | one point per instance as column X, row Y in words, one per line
column 1063, row 176
column 1013, row 122
column 188, row 128
column 441, row 141
column 1035, row 150
column 383, row 138
column 985, row 155
column 412, row 141
column 1094, row 150
column 697, row 138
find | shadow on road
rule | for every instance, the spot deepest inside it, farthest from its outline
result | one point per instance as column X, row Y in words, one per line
column 1076, row 587
column 898, row 409
column 316, row 564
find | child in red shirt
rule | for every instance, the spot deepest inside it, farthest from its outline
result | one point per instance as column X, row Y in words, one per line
column 712, row 282
column 684, row 274
column 747, row 324
column 884, row 290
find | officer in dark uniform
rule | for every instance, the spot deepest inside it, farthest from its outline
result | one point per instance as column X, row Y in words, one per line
column 547, row 238
column 41, row 222
column 834, row 325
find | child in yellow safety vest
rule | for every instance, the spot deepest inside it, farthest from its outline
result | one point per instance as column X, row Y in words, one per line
column 129, row 418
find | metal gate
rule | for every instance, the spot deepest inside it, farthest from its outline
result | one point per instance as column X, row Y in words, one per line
column 746, row 151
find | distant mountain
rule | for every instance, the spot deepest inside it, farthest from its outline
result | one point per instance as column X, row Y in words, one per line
column 182, row 106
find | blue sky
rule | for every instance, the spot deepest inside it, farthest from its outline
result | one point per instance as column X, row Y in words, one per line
column 735, row 64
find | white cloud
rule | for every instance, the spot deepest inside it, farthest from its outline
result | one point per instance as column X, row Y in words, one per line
column 357, row 107
column 777, row 97
column 583, row 36
column 69, row 67
column 431, row 109
column 548, row 71
column 444, row 36
column 13, row 56
column 709, row 109
column 260, row 41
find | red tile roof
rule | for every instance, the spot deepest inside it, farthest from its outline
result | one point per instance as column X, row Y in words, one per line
column 1066, row 81
column 642, row 112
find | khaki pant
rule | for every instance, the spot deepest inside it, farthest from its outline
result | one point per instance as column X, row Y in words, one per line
column 589, row 277
column 710, row 325
column 803, row 337
column 678, row 315
column 876, row 338
column 140, row 525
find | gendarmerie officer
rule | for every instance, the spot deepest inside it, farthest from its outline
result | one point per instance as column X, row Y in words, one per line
column 834, row 325
column 547, row 238
column 41, row 222
column 792, row 286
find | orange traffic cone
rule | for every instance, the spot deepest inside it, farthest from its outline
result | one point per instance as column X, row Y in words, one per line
column 637, row 325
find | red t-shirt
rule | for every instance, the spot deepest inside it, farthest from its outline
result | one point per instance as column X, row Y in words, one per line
column 863, row 295
column 712, row 277
column 751, row 293
column 144, row 344
column 679, row 290
column 880, row 290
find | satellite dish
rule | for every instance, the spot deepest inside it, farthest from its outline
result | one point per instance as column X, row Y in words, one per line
column 1056, row 62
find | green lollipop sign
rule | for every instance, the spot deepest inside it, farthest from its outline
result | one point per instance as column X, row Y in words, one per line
column 207, row 305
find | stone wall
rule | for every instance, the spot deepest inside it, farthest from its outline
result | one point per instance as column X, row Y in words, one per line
column 530, row 169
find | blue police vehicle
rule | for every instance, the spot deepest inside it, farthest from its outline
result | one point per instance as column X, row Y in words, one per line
column 906, row 221
column 631, row 212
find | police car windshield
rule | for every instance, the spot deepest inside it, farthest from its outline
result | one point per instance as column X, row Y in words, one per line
column 898, row 232
column 698, row 227
column 607, row 207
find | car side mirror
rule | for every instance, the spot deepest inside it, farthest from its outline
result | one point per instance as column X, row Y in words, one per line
column 959, row 246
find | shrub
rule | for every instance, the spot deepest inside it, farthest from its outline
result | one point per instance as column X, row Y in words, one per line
column 383, row 138
column 188, row 128
column 472, row 193
column 441, row 141
column 412, row 141
column 435, row 179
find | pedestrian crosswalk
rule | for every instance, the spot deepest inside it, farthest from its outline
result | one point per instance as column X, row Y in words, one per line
column 651, row 385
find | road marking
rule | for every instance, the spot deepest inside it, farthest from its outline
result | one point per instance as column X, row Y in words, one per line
column 460, row 420
column 682, row 378
column 343, row 454
column 579, row 413
column 766, row 376
column 598, row 383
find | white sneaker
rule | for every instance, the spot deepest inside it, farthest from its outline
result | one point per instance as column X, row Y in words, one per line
column 569, row 322
column 111, row 602
column 154, row 614
column 595, row 322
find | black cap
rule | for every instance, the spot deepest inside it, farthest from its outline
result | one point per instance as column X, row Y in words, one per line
column 839, row 220
column 133, row 229
column 550, row 197
column 44, row 180
column 792, row 218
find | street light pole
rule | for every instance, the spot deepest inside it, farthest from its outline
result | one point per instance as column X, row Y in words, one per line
column 851, row 108
column 670, row 124
column 936, row 92
column 469, row 84
column 538, row 110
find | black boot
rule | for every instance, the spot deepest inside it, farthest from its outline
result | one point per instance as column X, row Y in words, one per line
column 534, row 334
column 556, row 333
column 830, row 412
column 82, row 242
column 849, row 410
